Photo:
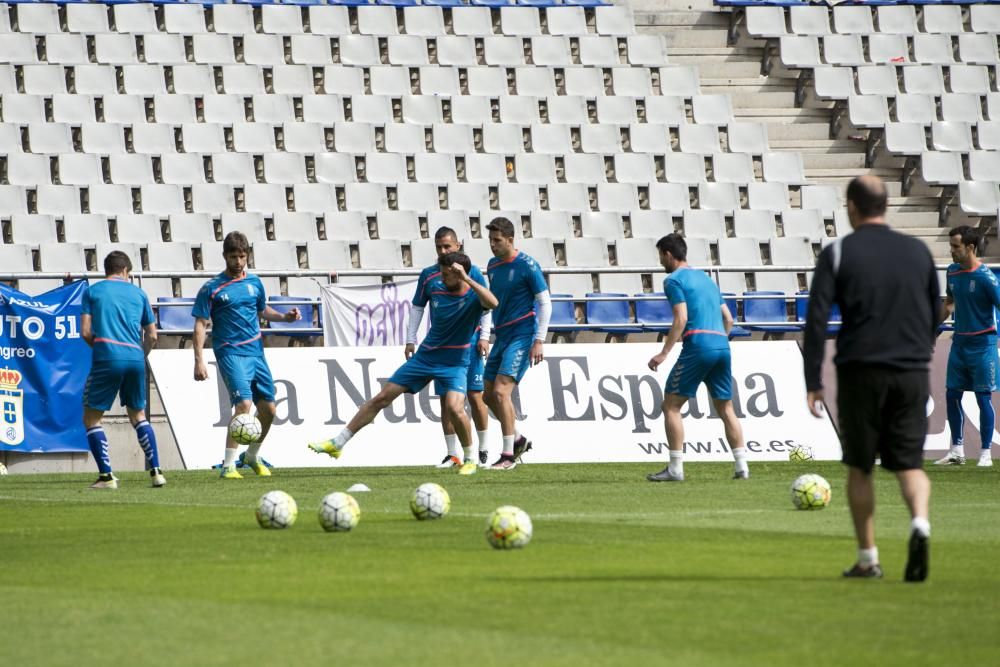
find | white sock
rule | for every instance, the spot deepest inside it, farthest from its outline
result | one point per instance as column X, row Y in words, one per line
column 921, row 525
column 469, row 453
column 451, row 440
column 868, row 557
column 958, row 450
column 676, row 463
column 483, row 440
column 508, row 444
column 230, row 457
column 343, row 437
column 740, row 457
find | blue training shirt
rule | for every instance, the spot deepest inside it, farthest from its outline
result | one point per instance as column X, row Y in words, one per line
column 976, row 293
column 515, row 282
column 119, row 310
column 454, row 321
column 430, row 279
column 234, row 306
column 705, row 329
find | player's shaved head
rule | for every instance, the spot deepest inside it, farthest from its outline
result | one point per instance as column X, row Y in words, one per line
column 445, row 232
column 868, row 196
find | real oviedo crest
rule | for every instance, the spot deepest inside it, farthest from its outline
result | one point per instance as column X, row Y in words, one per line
column 11, row 408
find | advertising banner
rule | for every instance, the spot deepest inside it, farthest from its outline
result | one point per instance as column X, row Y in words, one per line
column 584, row 403
column 368, row 315
column 44, row 365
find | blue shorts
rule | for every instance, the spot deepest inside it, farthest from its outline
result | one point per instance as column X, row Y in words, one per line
column 108, row 379
column 473, row 377
column 509, row 357
column 416, row 373
column 246, row 378
column 973, row 367
column 694, row 366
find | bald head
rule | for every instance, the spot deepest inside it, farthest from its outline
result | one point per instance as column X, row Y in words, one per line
column 867, row 196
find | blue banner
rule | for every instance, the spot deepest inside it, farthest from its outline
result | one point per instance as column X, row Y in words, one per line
column 44, row 363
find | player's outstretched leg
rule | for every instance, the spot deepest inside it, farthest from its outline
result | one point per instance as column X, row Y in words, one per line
column 673, row 424
column 453, row 455
column 956, row 424
column 454, row 403
column 228, row 470
column 147, row 442
column 734, row 436
column 364, row 416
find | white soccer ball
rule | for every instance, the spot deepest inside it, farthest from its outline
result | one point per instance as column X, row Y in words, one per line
column 430, row 501
column 245, row 429
column 339, row 512
column 276, row 509
column 810, row 492
column 3, row 469
column 801, row 454
column 508, row 527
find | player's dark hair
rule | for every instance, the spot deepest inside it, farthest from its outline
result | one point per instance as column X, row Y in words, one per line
column 445, row 231
column 116, row 262
column 235, row 242
column 869, row 197
column 970, row 236
column 502, row 225
column 456, row 258
column 675, row 245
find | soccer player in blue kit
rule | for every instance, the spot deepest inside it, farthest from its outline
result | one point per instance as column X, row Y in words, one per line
column 233, row 303
column 520, row 323
column 973, row 295
column 458, row 303
column 446, row 241
column 703, row 321
column 117, row 323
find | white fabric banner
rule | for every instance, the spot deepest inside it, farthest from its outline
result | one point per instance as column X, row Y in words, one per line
column 584, row 403
column 368, row 315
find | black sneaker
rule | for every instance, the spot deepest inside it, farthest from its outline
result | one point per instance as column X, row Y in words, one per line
column 483, row 456
column 917, row 563
column 505, row 462
column 870, row 572
column 521, row 445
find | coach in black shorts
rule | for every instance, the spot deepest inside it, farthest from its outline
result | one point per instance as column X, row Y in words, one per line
column 887, row 290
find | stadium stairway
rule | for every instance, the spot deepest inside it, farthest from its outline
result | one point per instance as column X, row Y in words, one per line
column 729, row 62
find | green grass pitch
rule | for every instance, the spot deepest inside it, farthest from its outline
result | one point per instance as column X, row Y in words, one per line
column 620, row 572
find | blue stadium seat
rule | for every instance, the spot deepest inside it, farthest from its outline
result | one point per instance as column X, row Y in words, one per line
column 737, row 331
column 609, row 312
column 563, row 324
column 767, row 310
column 802, row 306
column 656, row 315
column 175, row 319
column 289, row 328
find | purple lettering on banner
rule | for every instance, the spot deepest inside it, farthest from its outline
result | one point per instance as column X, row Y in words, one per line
column 383, row 323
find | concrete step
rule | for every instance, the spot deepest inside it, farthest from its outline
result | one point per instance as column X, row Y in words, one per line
column 715, row 69
column 818, row 145
column 925, row 202
column 697, row 37
column 668, row 19
column 824, row 161
column 914, row 220
column 929, row 233
column 783, row 115
column 695, row 54
column 762, row 100
column 833, row 176
column 696, row 6
column 746, row 86
column 778, row 131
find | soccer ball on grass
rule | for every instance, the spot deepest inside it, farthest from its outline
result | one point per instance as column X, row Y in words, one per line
column 276, row 509
column 508, row 527
column 339, row 512
column 810, row 492
column 430, row 501
column 801, row 454
column 245, row 429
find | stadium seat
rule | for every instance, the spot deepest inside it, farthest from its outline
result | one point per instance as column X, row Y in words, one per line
column 291, row 329
column 654, row 315
column 766, row 309
column 602, row 313
column 176, row 318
